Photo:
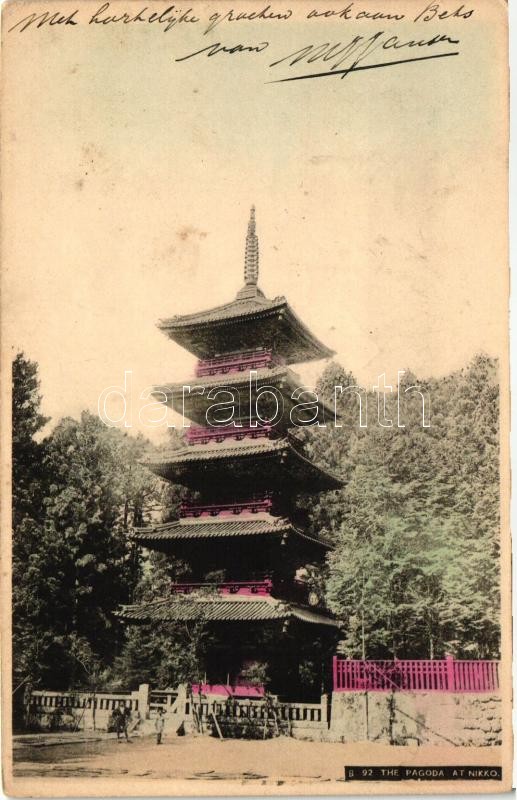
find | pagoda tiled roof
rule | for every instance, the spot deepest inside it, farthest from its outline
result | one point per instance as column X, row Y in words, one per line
column 240, row 307
column 251, row 320
column 187, row 529
column 222, row 609
column 270, row 460
column 194, row 405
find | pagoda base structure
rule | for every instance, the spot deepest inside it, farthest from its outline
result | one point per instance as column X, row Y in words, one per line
column 252, row 570
column 293, row 641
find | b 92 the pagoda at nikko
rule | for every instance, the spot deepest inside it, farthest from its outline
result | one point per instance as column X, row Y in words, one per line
column 244, row 469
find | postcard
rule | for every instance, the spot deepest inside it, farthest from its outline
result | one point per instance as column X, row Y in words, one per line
column 255, row 391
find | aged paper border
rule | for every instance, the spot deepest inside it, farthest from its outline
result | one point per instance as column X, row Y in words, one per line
column 156, row 787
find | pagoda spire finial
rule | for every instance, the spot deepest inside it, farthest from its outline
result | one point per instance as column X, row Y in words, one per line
column 251, row 257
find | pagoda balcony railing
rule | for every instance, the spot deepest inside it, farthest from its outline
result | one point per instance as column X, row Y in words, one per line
column 237, row 362
column 297, row 591
column 256, row 506
column 206, row 435
column 253, row 587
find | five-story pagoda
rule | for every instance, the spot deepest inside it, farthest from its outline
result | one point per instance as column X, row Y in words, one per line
column 243, row 467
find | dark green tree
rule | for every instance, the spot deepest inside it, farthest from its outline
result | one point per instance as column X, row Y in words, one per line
column 29, row 555
column 76, row 496
column 415, row 572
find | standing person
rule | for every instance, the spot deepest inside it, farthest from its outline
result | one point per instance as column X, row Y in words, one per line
column 125, row 717
column 159, row 725
column 115, row 720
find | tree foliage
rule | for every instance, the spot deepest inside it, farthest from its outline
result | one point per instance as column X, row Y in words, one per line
column 77, row 493
column 415, row 572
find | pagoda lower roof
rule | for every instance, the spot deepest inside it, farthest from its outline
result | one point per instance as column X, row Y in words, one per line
column 193, row 403
column 261, row 463
column 222, row 609
column 250, row 321
column 188, row 529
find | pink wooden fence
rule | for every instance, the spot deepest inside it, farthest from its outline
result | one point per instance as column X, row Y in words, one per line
column 447, row 675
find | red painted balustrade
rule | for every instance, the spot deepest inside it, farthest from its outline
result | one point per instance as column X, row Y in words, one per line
column 262, row 587
column 446, row 675
column 237, row 362
column 255, row 506
column 202, row 435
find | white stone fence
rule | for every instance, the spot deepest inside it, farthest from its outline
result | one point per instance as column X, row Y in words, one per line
column 83, row 710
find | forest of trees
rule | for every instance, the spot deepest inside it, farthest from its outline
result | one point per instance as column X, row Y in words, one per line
column 414, row 573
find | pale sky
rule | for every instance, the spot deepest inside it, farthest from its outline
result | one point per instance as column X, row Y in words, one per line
column 380, row 198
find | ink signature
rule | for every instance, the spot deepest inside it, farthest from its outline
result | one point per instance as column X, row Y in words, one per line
column 341, row 57
column 347, row 57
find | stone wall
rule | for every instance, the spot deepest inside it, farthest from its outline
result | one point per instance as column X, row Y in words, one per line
column 416, row 717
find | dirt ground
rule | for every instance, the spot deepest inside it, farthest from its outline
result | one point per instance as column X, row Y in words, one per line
column 281, row 761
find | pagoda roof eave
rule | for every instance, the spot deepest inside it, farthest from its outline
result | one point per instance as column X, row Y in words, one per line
column 188, row 530
column 232, row 311
column 222, row 609
column 194, row 404
column 199, row 332
column 190, row 466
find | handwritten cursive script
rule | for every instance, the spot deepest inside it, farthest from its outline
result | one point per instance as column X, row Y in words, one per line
column 45, row 18
column 266, row 13
column 104, row 15
column 353, row 53
column 338, row 58
column 214, row 49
